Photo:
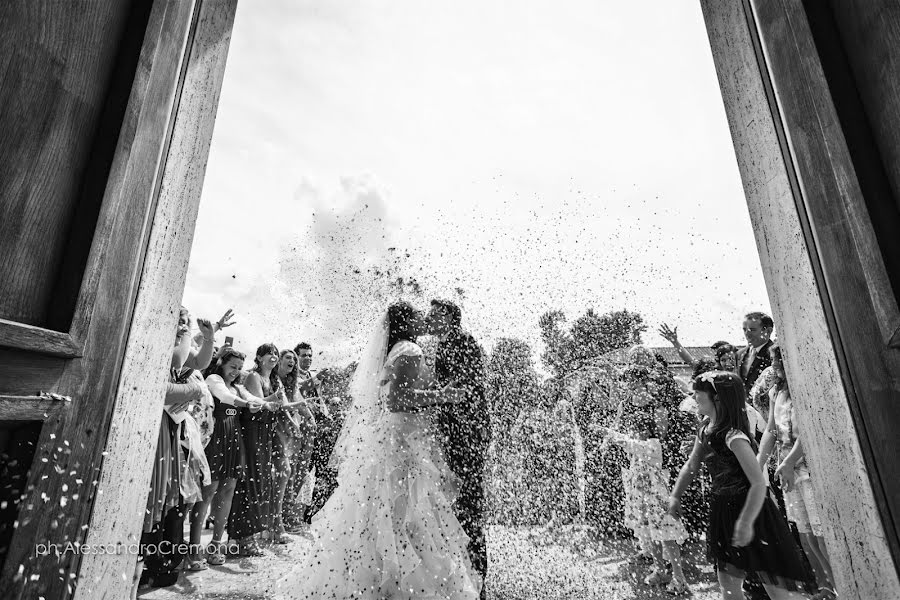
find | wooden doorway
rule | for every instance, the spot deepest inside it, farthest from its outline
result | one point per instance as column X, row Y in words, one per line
column 106, row 111
column 92, row 224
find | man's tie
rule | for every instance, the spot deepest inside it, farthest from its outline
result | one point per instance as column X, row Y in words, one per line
column 751, row 356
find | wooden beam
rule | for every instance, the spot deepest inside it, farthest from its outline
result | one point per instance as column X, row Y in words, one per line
column 793, row 274
column 31, row 408
column 118, row 512
column 70, row 449
column 37, row 339
column 811, row 87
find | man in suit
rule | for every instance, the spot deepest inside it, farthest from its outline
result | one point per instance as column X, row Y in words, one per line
column 751, row 360
column 755, row 357
column 465, row 427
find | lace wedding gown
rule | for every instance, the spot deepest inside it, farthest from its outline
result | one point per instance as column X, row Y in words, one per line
column 389, row 531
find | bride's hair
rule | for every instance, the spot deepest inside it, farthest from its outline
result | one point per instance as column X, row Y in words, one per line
column 400, row 323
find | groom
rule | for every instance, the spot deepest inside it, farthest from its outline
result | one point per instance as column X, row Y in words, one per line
column 466, row 426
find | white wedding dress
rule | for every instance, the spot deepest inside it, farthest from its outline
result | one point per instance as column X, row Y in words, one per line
column 389, row 530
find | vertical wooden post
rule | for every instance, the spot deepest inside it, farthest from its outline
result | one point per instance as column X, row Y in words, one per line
column 118, row 511
column 855, row 535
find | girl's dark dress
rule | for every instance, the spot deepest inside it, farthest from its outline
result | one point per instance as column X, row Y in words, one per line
column 251, row 509
column 772, row 555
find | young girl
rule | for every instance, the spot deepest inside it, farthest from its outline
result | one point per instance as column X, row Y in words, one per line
column 646, row 489
column 746, row 532
column 799, row 499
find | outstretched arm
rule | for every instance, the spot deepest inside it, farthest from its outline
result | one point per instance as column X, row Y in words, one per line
column 200, row 358
column 671, row 336
column 405, row 397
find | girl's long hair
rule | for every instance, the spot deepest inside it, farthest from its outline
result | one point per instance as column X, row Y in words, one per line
column 730, row 398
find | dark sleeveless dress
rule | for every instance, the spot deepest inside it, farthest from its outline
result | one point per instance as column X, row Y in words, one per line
column 225, row 450
column 251, row 509
column 773, row 554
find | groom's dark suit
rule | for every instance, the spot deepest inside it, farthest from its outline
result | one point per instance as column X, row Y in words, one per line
column 466, row 431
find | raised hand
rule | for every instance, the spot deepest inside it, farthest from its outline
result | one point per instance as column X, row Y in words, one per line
column 206, row 328
column 225, row 321
column 670, row 334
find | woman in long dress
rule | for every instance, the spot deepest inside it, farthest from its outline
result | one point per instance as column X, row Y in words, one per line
column 389, row 530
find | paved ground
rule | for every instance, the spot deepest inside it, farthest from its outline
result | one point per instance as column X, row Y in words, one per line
column 526, row 564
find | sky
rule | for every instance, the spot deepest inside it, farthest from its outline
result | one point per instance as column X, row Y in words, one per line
column 517, row 157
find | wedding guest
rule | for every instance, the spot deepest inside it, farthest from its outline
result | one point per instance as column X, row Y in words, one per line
column 298, row 497
column 784, row 434
column 646, row 485
column 291, row 433
column 251, row 511
column 164, row 519
column 754, row 357
column 225, row 452
column 726, row 356
column 746, row 532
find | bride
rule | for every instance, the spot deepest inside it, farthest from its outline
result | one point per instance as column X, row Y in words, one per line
column 389, row 531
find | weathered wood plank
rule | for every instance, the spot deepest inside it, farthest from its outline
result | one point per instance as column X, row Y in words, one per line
column 38, row 339
column 859, row 554
column 25, row 373
column 29, row 408
column 69, row 456
column 119, row 512
column 55, row 61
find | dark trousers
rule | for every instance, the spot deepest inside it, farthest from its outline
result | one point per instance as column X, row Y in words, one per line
column 470, row 508
column 161, row 547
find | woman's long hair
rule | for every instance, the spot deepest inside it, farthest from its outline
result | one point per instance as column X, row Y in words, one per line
column 223, row 360
column 264, row 349
column 289, row 381
column 400, row 323
column 730, row 398
column 775, row 353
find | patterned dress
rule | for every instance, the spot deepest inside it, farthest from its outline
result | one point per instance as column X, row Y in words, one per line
column 646, row 491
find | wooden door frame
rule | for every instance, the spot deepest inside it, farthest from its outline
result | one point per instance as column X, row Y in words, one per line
column 159, row 165
column 832, row 300
column 92, row 465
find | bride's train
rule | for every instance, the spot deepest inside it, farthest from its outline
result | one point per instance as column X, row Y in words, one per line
column 389, row 530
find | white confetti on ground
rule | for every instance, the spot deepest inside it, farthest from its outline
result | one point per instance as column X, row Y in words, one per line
column 526, row 564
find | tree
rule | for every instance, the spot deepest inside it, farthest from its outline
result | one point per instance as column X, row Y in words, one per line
column 557, row 342
column 512, row 381
column 590, row 337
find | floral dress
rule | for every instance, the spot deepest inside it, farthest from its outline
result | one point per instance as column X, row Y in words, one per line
column 646, row 491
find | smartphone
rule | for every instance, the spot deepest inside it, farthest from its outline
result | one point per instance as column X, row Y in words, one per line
column 229, row 341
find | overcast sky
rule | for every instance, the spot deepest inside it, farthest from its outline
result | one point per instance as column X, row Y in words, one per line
column 536, row 155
